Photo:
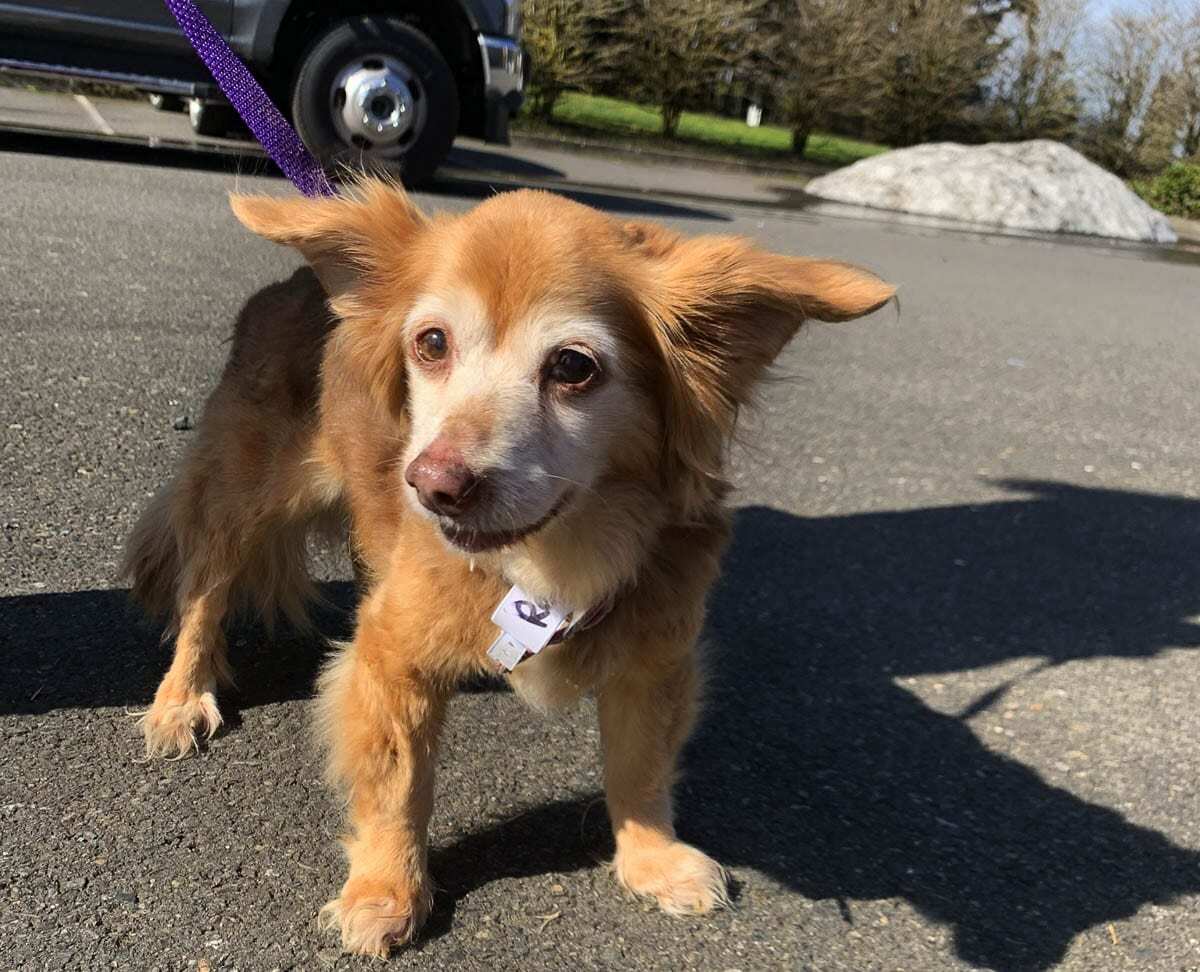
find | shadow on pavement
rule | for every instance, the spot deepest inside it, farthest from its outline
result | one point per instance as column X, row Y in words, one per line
column 596, row 196
column 555, row 838
column 460, row 183
column 464, row 158
column 133, row 150
column 89, row 649
column 813, row 765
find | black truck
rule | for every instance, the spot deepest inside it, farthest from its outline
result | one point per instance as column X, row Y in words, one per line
column 389, row 81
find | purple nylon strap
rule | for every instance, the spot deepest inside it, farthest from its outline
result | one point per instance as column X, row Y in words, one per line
column 251, row 102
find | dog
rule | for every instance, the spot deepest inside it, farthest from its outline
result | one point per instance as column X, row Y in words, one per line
column 526, row 405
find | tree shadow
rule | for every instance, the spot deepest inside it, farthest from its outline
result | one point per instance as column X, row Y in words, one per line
column 813, row 765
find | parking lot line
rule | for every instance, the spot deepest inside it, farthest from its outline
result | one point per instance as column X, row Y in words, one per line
column 97, row 118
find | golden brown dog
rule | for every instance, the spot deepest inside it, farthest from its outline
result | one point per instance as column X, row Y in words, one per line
column 532, row 394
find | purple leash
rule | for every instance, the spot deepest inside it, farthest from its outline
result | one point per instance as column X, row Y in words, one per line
column 249, row 100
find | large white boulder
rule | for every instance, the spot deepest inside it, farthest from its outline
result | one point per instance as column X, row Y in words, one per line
column 1040, row 185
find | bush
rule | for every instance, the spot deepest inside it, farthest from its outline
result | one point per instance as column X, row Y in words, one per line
column 1175, row 191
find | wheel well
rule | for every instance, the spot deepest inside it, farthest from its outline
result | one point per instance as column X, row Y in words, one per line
column 443, row 23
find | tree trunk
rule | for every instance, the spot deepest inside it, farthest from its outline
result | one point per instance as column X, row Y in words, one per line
column 670, row 120
column 800, row 140
column 544, row 102
column 1191, row 141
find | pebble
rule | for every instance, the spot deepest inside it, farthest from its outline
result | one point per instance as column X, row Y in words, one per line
column 182, row 423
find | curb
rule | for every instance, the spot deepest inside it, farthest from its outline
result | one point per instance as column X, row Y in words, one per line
column 1188, row 230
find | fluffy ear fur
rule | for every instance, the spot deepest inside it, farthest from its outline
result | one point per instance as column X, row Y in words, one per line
column 721, row 310
column 359, row 244
column 343, row 236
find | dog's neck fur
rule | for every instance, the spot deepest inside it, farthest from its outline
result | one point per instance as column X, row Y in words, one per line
column 588, row 553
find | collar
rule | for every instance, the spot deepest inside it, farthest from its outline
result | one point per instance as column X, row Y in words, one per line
column 527, row 625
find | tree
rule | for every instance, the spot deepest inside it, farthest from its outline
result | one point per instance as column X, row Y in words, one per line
column 1123, row 74
column 937, row 57
column 561, row 39
column 908, row 70
column 1190, row 70
column 1190, row 73
column 824, row 59
column 1166, row 117
column 1172, row 127
column 673, row 52
column 1034, row 93
column 939, row 54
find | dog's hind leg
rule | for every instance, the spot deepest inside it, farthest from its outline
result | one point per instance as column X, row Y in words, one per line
column 199, row 548
column 186, row 702
column 176, row 576
column 224, row 553
column 209, row 540
column 184, row 558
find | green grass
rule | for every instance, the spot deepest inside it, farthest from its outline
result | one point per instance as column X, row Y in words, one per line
column 591, row 114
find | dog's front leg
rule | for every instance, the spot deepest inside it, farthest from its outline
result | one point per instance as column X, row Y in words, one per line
column 382, row 725
column 646, row 714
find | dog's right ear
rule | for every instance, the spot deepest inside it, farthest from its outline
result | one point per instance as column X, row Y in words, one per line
column 342, row 237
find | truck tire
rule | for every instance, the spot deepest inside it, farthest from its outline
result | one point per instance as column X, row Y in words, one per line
column 376, row 93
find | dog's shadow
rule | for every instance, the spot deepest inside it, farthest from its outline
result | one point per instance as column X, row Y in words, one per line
column 813, row 764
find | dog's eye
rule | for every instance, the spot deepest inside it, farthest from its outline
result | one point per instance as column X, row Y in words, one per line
column 432, row 344
column 569, row 366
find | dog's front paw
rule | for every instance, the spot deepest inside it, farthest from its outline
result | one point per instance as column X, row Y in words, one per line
column 680, row 878
column 172, row 723
column 375, row 915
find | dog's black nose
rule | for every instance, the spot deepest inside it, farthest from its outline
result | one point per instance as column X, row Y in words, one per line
column 443, row 481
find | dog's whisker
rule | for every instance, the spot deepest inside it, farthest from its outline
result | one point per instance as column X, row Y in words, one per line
column 590, row 490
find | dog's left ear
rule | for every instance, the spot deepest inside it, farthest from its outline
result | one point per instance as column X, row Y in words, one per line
column 343, row 236
column 721, row 311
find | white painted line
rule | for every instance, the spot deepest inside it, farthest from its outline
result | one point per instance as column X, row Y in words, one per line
column 97, row 118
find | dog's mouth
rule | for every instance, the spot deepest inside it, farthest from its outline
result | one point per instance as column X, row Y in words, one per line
column 478, row 541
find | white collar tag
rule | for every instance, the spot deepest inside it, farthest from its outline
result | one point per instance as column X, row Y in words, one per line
column 506, row 652
column 526, row 626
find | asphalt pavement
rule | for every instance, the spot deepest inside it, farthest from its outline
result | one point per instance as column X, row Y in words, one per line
column 952, row 718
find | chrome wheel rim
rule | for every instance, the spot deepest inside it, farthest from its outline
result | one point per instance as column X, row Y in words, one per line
column 378, row 105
